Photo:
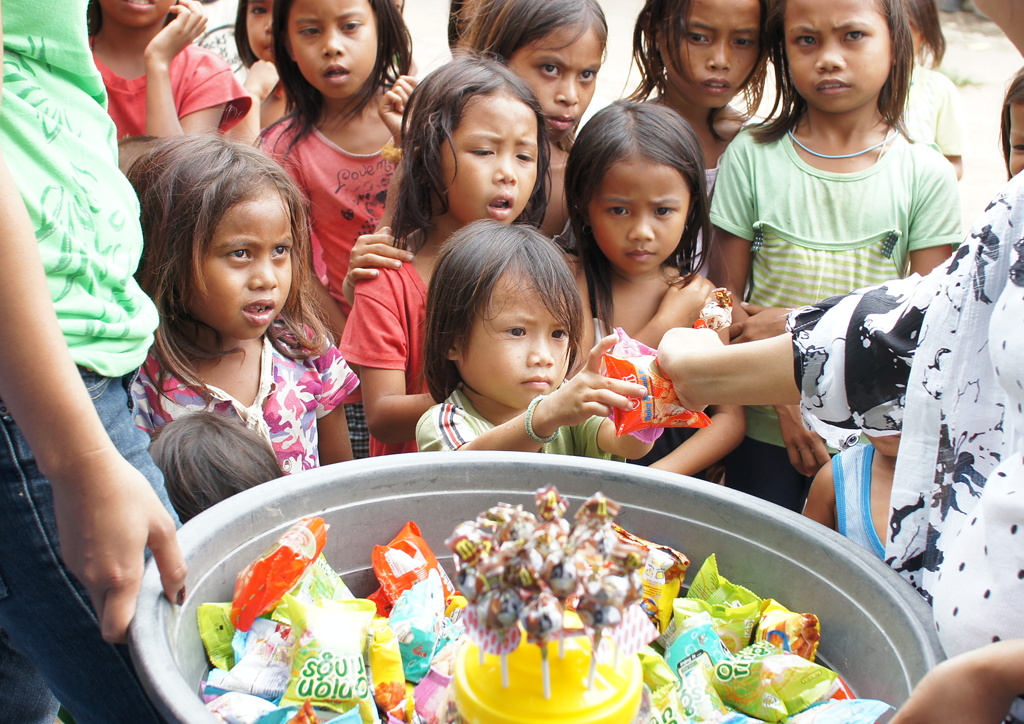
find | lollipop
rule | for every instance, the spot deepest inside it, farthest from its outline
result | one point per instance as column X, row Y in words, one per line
column 601, row 607
column 542, row 619
column 716, row 314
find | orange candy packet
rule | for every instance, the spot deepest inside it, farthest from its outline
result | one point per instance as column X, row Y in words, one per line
column 660, row 408
column 261, row 585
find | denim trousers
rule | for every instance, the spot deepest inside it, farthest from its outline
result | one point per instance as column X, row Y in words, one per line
column 50, row 644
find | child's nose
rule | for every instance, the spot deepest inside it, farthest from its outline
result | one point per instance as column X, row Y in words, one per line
column 719, row 58
column 568, row 93
column 642, row 230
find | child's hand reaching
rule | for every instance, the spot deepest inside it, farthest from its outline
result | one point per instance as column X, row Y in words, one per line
column 392, row 105
column 188, row 24
column 371, row 253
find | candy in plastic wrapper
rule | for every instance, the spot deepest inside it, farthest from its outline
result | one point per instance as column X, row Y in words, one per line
column 261, row 584
column 699, row 637
column 660, row 408
column 265, row 668
column 327, row 665
column 401, row 563
column 849, row 711
column 716, row 314
column 697, row 696
column 709, row 585
column 420, row 625
column 663, row 573
column 431, row 697
column 733, row 624
column 217, row 632
column 385, row 657
column 238, row 708
column 798, row 633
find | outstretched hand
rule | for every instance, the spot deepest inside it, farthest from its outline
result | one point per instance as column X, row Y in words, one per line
column 106, row 516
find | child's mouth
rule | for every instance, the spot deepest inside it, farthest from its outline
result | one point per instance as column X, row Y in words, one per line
column 500, row 208
column 336, row 72
column 259, row 314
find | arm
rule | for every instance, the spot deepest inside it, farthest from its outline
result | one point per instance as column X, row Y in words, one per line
column 332, row 431
column 974, row 688
column 680, row 307
column 730, row 266
column 923, row 261
column 1008, row 15
column 106, row 511
column 705, row 371
column 260, row 83
column 821, row 501
column 161, row 113
column 391, row 414
column 958, row 165
column 709, row 444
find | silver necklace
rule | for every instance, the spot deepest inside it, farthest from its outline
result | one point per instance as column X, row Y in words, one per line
column 845, row 155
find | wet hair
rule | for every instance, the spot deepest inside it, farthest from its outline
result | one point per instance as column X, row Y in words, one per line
column 501, row 27
column 434, row 112
column 625, row 131
column 394, row 55
column 186, row 185
column 1014, row 96
column 924, row 16
column 660, row 33
column 207, row 458
column 790, row 104
column 470, row 266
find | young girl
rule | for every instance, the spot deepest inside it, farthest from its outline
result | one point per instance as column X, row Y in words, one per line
column 826, row 198
column 635, row 189
column 851, row 493
column 158, row 82
column 557, row 47
column 255, row 45
column 226, row 261
column 1011, row 125
column 473, row 148
column 503, row 328
column 696, row 56
column 935, row 113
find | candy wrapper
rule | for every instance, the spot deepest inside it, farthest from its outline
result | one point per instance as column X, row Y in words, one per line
column 798, row 633
column 661, row 407
column 716, row 314
column 698, row 697
column 327, row 664
column 217, row 632
column 663, row 573
column 853, row 711
column 734, row 624
column 700, row 635
column 420, row 625
column 237, row 708
column 265, row 667
column 385, row 657
column 261, row 584
column 401, row 563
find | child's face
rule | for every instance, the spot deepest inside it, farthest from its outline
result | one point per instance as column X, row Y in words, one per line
column 247, row 269
column 719, row 51
column 638, row 216
column 513, row 353
column 1016, row 138
column 136, row 14
column 491, row 172
column 839, row 53
column 334, row 43
column 258, row 14
column 561, row 70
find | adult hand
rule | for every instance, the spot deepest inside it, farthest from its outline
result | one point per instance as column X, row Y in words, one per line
column 760, row 323
column 188, row 24
column 107, row 514
column 681, row 350
column 371, row 253
column 393, row 103
column 807, row 451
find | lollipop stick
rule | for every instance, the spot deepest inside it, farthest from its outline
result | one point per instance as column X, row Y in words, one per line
column 546, row 669
column 481, row 656
column 593, row 659
column 561, row 647
column 504, row 671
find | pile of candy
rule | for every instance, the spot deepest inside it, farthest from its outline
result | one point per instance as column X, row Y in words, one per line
column 296, row 646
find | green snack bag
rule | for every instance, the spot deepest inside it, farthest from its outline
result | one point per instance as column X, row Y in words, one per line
column 217, row 631
column 328, row 665
column 712, row 587
column 733, row 624
column 698, row 698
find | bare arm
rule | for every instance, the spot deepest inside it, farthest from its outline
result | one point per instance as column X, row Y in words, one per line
column 334, row 443
column 391, row 413
column 161, row 113
column 1008, row 15
column 709, row 444
column 106, row 511
column 923, row 261
column 821, row 500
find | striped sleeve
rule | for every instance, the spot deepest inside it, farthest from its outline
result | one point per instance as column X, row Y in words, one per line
column 445, row 427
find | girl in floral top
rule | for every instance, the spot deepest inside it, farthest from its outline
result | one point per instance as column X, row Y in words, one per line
column 228, row 263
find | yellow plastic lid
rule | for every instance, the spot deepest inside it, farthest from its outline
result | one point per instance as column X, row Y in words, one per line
column 481, row 699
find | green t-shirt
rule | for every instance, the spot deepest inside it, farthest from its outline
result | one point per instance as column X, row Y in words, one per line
column 818, row 234
column 58, row 142
column 455, row 422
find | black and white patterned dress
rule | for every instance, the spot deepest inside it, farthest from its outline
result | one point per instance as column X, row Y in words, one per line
column 942, row 358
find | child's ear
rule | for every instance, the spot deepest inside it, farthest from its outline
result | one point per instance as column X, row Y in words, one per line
column 454, row 354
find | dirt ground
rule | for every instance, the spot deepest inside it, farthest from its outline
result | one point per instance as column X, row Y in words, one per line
column 978, row 58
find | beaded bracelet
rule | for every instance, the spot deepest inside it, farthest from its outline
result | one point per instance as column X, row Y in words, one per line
column 529, row 423
column 391, row 152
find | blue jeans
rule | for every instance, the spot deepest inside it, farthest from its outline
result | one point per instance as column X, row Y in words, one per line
column 49, row 635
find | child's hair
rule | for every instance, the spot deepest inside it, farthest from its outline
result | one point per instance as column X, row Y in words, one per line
column 432, row 115
column 394, row 55
column 468, row 270
column 624, row 131
column 924, row 16
column 1014, row 96
column 791, row 106
column 245, row 53
column 207, row 458
column 501, row 27
column 131, row 148
column 658, row 36
column 186, row 185
column 457, row 22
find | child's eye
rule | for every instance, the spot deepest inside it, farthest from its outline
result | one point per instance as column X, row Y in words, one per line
column 309, row 32
column 803, row 40
column 549, row 69
column 697, row 37
column 257, row 10
column 664, row 210
column 744, row 42
column 517, row 332
column 588, row 75
column 855, row 35
column 238, row 254
column 560, row 334
column 525, row 157
column 617, row 210
column 282, row 250
column 352, row 26
column 482, row 152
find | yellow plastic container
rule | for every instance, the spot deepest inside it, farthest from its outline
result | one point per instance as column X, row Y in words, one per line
column 481, row 699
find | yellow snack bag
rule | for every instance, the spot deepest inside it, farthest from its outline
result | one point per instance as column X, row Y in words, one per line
column 386, row 666
column 798, row 633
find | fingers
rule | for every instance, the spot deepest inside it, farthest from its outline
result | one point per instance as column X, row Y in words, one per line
column 163, row 542
column 603, row 346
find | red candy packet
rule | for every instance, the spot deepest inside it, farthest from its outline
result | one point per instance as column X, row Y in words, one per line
column 401, row 563
column 261, row 584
